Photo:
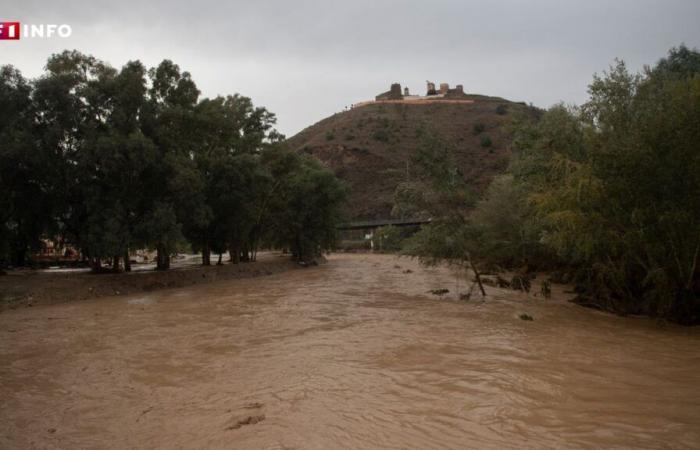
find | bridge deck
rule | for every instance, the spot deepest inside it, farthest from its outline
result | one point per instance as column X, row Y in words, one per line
column 381, row 223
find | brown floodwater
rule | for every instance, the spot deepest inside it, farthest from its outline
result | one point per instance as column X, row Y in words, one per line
column 354, row 354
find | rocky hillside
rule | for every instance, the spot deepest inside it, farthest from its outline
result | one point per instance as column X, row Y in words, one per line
column 370, row 146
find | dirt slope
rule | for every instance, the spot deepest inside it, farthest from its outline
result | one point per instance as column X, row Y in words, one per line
column 369, row 147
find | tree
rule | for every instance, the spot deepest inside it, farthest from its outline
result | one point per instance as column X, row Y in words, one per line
column 24, row 199
column 168, row 120
column 446, row 198
column 615, row 186
column 111, row 160
column 307, row 205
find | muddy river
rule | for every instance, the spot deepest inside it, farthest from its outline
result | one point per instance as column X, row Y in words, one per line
column 354, row 354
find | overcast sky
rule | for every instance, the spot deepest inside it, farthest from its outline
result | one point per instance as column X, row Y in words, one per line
column 304, row 60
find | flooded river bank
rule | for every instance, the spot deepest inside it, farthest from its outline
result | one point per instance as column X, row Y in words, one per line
column 353, row 354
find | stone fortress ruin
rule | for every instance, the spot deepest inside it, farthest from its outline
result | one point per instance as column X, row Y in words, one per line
column 444, row 94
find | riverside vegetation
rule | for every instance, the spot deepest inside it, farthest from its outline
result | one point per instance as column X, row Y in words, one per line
column 111, row 160
column 605, row 195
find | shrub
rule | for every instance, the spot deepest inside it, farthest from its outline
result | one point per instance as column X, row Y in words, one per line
column 388, row 239
column 353, row 246
column 330, row 136
column 486, row 141
column 502, row 110
column 478, row 128
column 381, row 135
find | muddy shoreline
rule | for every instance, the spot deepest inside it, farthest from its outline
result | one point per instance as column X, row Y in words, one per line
column 33, row 288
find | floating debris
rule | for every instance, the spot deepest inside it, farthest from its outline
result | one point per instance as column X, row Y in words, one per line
column 546, row 289
column 249, row 420
column 520, row 283
column 439, row 292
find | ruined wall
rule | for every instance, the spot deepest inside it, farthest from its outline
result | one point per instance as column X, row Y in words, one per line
column 392, row 94
column 456, row 93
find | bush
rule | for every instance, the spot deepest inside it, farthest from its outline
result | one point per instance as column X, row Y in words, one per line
column 330, row 136
column 478, row 128
column 388, row 239
column 486, row 141
column 381, row 135
column 353, row 246
column 502, row 110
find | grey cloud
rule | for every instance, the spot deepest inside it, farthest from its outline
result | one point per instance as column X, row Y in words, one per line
column 307, row 59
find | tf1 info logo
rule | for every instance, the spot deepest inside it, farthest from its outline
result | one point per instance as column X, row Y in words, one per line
column 12, row 31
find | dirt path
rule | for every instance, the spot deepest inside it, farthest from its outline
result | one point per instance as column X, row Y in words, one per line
column 351, row 354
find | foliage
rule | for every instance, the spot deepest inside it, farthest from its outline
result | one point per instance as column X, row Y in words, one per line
column 380, row 135
column 388, row 239
column 113, row 160
column 306, row 204
column 617, row 184
column 609, row 191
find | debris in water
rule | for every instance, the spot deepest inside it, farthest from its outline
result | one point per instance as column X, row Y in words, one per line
column 253, row 405
column 488, row 281
column 520, row 283
column 408, row 271
column 249, row 420
column 526, row 317
column 439, row 292
column 546, row 289
column 502, row 282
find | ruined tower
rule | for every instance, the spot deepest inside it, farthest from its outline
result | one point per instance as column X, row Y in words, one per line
column 394, row 93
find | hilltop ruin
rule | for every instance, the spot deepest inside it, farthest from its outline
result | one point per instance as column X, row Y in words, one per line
column 444, row 93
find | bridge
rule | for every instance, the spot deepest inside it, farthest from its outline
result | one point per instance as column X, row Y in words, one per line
column 373, row 224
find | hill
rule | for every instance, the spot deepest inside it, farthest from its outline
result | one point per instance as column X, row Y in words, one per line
column 369, row 146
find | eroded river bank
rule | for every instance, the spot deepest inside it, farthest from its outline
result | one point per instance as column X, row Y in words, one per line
column 352, row 354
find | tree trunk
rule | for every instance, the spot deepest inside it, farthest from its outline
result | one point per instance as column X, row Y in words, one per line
column 235, row 253
column 20, row 256
column 115, row 264
column 478, row 278
column 163, row 258
column 127, row 261
column 206, row 254
column 220, row 263
column 95, row 265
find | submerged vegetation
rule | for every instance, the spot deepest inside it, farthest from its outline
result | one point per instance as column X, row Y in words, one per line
column 607, row 195
column 115, row 160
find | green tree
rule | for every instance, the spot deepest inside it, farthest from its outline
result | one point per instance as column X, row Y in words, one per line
column 306, row 207
column 24, row 201
column 615, row 186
